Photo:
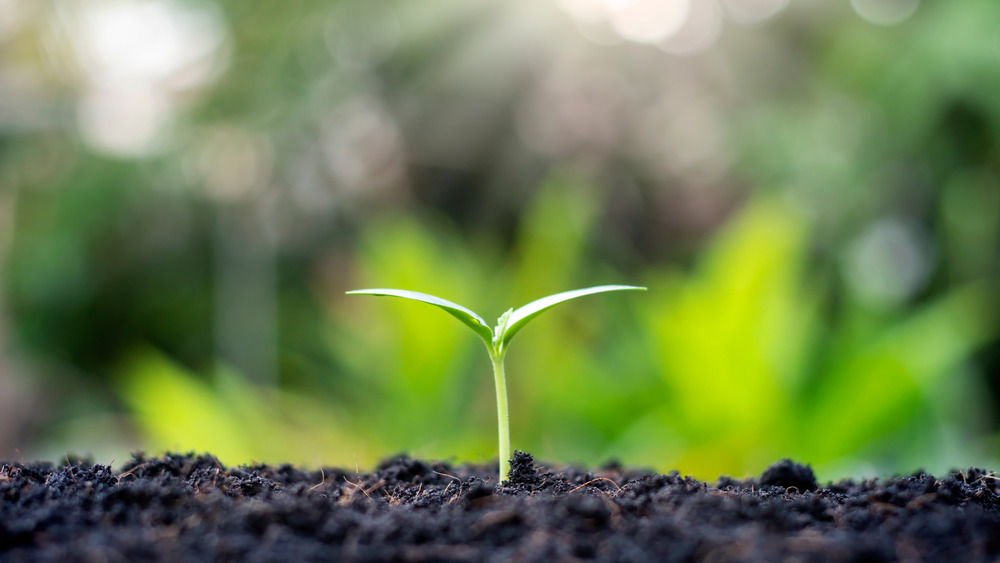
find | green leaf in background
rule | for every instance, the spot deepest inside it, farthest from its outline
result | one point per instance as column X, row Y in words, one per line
column 754, row 366
column 730, row 365
column 233, row 418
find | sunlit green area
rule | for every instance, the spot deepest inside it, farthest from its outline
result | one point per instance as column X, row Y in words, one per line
column 810, row 191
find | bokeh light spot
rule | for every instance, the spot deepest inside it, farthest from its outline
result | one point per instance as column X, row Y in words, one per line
column 885, row 12
column 134, row 56
column 128, row 122
column 700, row 31
column 640, row 21
column 593, row 10
column 753, row 11
column 232, row 163
column 144, row 42
column 889, row 262
column 650, row 21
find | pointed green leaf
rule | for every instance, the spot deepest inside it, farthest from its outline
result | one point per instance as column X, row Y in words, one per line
column 522, row 315
column 461, row 313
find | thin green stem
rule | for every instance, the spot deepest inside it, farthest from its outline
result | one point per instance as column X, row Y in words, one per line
column 503, row 416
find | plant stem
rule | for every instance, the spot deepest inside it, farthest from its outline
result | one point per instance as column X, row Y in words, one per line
column 503, row 416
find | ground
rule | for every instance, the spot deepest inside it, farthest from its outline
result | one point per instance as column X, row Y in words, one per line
column 192, row 508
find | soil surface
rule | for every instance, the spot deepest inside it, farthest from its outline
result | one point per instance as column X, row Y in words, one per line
column 192, row 508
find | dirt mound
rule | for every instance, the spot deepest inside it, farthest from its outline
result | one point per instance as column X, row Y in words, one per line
column 192, row 508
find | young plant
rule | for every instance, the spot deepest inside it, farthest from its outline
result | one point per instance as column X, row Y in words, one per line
column 497, row 339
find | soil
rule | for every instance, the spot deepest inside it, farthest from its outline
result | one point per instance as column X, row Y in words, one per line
column 192, row 508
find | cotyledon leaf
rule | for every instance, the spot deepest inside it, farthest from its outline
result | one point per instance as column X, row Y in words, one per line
column 522, row 315
column 467, row 316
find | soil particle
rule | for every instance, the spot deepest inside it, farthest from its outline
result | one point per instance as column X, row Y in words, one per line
column 787, row 474
column 192, row 508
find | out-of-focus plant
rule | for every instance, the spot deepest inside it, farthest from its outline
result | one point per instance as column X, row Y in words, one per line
column 739, row 361
column 234, row 418
column 758, row 362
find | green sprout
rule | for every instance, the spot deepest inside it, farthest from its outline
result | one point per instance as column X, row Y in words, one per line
column 498, row 339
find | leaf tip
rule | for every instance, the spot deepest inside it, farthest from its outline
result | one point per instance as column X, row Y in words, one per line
column 363, row 292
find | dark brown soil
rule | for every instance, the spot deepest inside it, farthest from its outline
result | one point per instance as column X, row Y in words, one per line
column 188, row 508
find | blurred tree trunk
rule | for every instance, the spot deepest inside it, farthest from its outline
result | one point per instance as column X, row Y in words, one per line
column 16, row 398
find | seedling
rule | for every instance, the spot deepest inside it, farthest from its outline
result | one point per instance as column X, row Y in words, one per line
column 497, row 339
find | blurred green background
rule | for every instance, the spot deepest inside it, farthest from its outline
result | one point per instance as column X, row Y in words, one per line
column 810, row 189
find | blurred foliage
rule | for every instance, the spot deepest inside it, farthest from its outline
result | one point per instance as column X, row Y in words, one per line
column 811, row 190
column 720, row 369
